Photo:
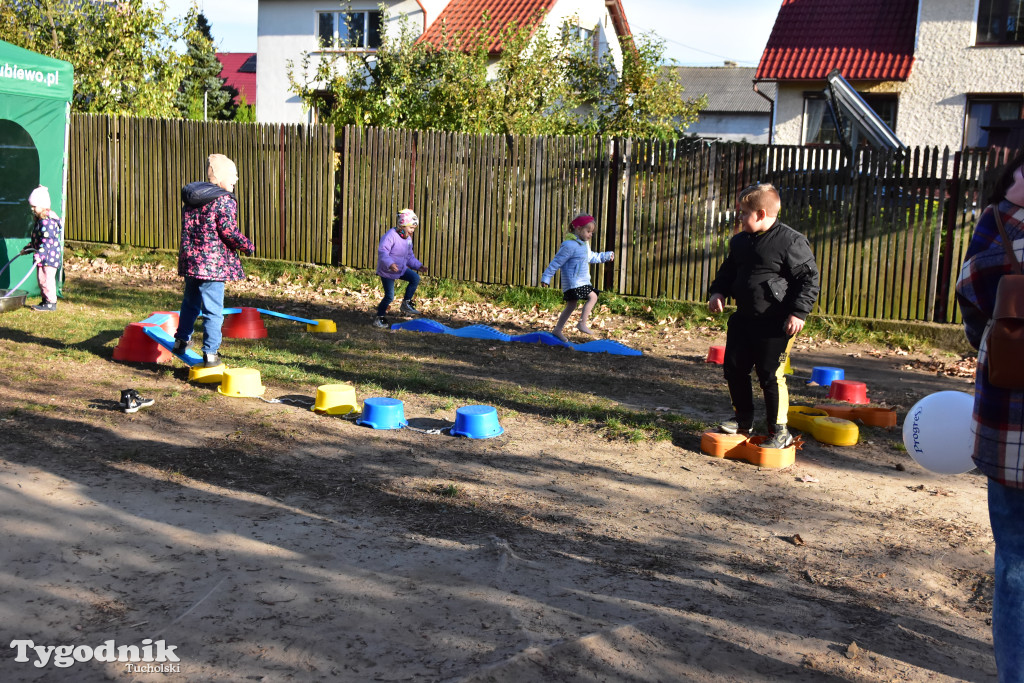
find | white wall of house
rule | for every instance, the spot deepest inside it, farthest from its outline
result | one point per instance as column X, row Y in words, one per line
column 731, row 127
column 288, row 28
column 932, row 102
column 591, row 15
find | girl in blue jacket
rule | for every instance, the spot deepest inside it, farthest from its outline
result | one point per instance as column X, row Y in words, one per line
column 574, row 258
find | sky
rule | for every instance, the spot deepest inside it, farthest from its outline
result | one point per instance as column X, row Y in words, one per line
column 695, row 32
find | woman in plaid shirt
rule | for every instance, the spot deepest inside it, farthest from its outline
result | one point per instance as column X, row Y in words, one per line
column 998, row 419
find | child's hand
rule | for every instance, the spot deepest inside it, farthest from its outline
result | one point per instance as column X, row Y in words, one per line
column 544, row 284
column 611, row 257
column 717, row 303
column 423, row 269
column 393, row 268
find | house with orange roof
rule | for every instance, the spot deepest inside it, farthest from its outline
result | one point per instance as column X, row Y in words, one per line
column 288, row 29
column 944, row 73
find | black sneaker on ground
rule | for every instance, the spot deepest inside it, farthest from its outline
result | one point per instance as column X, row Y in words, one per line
column 407, row 308
column 733, row 427
column 211, row 360
column 180, row 347
column 45, row 306
column 780, row 439
column 132, row 401
column 380, row 322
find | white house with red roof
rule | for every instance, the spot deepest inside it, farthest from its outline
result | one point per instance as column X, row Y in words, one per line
column 938, row 72
column 288, row 29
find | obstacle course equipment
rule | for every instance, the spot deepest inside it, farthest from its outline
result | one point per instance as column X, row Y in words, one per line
column 243, row 323
column 848, row 391
column 871, row 416
column 476, row 422
column 190, row 357
column 335, row 399
column 241, row 383
column 824, row 375
column 383, row 413
column 485, row 332
column 823, row 427
column 739, row 447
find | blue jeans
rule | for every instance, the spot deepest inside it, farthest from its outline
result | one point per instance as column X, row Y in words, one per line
column 1006, row 512
column 204, row 297
column 410, row 276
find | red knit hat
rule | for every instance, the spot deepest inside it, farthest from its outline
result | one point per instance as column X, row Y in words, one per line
column 581, row 220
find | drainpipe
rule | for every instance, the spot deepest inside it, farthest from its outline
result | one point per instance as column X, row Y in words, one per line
column 771, row 112
column 424, row 10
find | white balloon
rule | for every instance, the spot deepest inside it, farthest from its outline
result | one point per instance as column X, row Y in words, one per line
column 937, row 432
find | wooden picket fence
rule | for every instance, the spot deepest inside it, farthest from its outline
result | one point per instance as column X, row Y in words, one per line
column 126, row 174
column 889, row 230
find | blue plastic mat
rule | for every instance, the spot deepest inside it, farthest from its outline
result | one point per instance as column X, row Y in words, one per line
column 165, row 340
column 485, row 332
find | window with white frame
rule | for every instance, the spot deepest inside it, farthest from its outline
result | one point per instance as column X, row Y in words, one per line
column 573, row 31
column 1000, row 22
column 354, row 30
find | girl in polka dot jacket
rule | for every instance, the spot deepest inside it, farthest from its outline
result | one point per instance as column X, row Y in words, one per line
column 46, row 241
column 574, row 258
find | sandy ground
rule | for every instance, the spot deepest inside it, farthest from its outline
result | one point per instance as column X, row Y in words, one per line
column 265, row 542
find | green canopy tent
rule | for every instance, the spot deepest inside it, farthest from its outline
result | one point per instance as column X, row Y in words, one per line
column 35, row 110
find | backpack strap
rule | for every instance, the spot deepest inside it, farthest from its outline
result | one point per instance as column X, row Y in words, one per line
column 1007, row 245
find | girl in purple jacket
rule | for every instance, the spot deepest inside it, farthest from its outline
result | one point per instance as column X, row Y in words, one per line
column 396, row 261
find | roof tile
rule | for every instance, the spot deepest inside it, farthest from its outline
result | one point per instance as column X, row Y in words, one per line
column 864, row 39
column 239, row 71
column 460, row 16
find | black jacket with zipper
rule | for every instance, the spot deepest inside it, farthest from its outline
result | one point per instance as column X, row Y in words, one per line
column 770, row 274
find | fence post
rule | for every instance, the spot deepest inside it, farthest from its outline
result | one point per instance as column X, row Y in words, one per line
column 611, row 199
column 948, row 229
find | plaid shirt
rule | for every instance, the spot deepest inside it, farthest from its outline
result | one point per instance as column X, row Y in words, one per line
column 998, row 420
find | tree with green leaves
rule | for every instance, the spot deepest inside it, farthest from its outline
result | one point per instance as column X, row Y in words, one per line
column 123, row 53
column 203, row 93
column 244, row 112
column 543, row 84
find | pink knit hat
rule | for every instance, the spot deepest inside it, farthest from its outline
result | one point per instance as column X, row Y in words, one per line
column 406, row 217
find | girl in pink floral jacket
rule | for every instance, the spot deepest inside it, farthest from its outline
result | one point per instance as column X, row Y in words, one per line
column 210, row 240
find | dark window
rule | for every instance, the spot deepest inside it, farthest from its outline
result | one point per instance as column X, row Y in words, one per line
column 354, row 30
column 1000, row 22
column 325, row 29
column 820, row 127
column 990, row 119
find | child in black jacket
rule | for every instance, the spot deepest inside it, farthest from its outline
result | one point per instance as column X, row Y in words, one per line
column 771, row 273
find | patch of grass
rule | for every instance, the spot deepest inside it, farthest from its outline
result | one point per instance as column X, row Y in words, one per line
column 38, row 408
column 449, row 491
column 615, row 429
column 898, row 446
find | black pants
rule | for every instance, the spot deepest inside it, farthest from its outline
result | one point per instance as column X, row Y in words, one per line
column 761, row 345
